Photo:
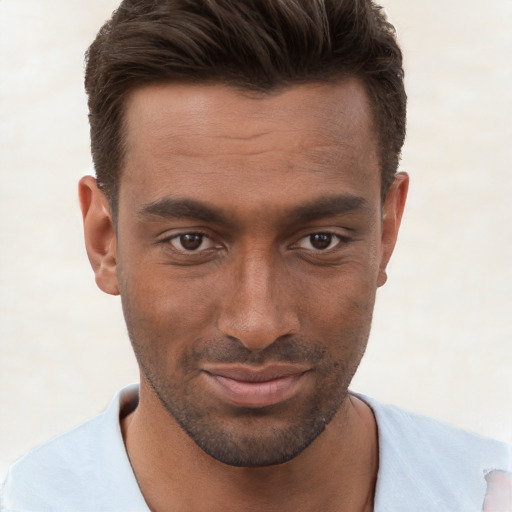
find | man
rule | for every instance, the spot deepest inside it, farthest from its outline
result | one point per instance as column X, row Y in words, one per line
column 245, row 208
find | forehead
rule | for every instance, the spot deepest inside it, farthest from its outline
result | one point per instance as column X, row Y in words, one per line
column 184, row 134
column 200, row 110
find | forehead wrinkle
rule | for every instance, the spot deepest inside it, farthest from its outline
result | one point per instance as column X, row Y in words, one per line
column 204, row 136
column 196, row 143
column 320, row 152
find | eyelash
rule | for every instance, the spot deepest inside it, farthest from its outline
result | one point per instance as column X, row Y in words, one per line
column 204, row 237
column 180, row 236
column 332, row 237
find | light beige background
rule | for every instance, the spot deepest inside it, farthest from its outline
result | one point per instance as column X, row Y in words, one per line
column 441, row 341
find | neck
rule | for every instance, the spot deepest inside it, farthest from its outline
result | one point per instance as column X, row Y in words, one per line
column 337, row 471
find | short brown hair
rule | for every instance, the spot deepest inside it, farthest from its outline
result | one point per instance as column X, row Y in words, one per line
column 252, row 44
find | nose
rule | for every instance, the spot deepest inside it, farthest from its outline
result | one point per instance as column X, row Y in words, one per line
column 259, row 306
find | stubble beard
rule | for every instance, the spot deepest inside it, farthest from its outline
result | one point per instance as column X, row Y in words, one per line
column 251, row 437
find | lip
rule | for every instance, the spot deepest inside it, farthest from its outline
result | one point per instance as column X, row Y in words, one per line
column 255, row 387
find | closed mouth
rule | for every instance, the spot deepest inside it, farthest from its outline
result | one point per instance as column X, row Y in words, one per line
column 255, row 387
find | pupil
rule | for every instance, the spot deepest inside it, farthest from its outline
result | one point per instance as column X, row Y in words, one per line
column 321, row 240
column 191, row 242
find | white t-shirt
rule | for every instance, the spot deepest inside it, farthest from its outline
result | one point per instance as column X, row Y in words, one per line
column 424, row 466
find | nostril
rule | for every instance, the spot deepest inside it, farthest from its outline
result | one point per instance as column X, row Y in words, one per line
column 257, row 329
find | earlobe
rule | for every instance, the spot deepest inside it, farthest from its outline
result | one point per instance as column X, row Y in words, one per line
column 99, row 233
column 392, row 212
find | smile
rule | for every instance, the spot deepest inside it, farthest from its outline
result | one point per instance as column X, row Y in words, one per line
column 248, row 387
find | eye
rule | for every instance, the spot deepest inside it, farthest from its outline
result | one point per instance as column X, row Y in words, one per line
column 191, row 242
column 319, row 241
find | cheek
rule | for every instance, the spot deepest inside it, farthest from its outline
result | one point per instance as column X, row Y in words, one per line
column 162, row 311
column 338, row 316
column 345, row 295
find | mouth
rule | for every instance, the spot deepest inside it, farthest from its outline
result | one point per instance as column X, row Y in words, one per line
column 246, row 386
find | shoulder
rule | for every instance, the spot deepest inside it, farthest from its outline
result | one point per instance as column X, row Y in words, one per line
column 407, row 429
column 426, row 461
column 36, row 478
column 416, row 427
column 72, row 471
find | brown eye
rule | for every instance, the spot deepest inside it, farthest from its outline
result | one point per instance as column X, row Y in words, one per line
column 191, row 242
column 320, row 241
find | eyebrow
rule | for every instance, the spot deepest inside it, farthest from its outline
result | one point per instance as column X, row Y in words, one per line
column 180, row 208
column 177, row 208
column 330, row 206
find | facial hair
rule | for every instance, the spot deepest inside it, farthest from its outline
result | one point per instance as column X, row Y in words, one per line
column 250, row 437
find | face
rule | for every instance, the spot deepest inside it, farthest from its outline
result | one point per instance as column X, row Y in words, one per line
column 250, row 242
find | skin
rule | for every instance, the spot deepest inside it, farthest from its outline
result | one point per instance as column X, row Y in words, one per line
column 250, row 233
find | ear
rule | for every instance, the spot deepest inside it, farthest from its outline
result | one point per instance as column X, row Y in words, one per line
column 391, row 217
column 99, row 233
